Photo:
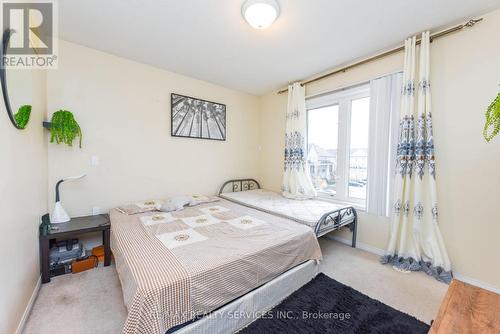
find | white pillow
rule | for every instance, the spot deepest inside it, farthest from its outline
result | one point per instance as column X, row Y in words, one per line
column 202, row 199
column 175, row 203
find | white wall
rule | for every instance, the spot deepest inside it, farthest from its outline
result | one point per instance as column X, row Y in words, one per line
column 465, row 71
column 23, row 194
column 123, row 108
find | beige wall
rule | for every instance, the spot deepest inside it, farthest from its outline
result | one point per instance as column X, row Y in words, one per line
column 23, row 194
column 465, row 76
column 123, row 108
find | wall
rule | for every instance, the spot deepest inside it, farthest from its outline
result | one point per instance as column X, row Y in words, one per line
column 23, row 193
column 465, row 68
column 123, row 108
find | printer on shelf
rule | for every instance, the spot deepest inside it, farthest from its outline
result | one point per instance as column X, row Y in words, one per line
column 65, row 252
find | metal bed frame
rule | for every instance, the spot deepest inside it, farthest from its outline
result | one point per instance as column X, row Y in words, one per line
column 330, row 221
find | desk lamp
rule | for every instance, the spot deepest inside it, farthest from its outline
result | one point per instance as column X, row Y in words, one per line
column 59, row 215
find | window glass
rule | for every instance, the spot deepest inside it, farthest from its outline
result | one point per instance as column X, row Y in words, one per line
column 323, row 129
column 358, row 155
column 337, row 133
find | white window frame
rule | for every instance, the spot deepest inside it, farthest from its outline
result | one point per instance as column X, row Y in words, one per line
column 343, row 98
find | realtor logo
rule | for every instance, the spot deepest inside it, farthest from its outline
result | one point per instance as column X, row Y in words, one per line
column 29, row 34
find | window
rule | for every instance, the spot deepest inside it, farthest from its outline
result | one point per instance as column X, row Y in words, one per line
column 338, row 126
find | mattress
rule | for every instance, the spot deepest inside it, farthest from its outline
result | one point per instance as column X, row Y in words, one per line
column 177, row 266
column 307, row 212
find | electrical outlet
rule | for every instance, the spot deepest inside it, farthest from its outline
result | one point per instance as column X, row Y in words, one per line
column 96, row 210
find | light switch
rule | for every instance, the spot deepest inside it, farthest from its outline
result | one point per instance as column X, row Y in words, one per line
column 94, row 160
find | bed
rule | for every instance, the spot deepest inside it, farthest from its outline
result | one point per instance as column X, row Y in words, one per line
column 320, row 215
column 205, row 262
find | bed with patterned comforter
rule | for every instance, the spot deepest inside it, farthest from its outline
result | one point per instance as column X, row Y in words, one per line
column 176, row 266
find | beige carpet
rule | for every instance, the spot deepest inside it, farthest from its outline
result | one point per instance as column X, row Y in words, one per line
column 83, row 303
column 91, row 302
column 415, row 293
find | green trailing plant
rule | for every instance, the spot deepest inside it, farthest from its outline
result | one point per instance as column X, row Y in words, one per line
column 22, row 116
column 492, row 119
column 64, row 128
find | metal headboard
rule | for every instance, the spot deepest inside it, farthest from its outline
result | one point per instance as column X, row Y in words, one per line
column 236, row 185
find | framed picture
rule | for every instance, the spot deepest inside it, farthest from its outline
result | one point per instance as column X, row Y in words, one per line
column 195, row 118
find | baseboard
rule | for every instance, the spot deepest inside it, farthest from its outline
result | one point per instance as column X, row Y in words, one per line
column 380, row 252
column 475, row 282
column 27, row 311
column 359, row 245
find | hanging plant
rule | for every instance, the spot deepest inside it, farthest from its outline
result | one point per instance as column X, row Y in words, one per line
column 22, row 116
column 64, row 128
column 492, row 119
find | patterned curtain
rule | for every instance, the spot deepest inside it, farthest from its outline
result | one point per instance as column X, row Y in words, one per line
column 416, row 242
column 296, row 178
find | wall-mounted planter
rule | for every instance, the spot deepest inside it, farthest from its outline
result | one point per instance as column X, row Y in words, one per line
column 63, row 128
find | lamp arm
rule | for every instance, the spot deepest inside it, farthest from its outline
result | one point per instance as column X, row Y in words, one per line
column 58, row 197
column 74, row 177
column 57, row 190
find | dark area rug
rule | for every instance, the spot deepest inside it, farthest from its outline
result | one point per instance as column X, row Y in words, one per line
column 327, row 306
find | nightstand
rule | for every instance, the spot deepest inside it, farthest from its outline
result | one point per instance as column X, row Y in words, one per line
column 74, row 227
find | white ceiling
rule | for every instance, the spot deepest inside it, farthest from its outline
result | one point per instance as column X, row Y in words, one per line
column 209, row 40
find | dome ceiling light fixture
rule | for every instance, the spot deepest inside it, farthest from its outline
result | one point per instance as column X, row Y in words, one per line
column 260, row 14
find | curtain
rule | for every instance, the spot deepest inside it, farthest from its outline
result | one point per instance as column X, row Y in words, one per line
column 415, row 242
column 385, row 104
column 296, row 178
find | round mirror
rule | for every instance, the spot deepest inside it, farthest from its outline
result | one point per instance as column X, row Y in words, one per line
column 17, row 88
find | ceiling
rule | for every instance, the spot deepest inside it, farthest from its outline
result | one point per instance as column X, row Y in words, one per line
column 209, row 40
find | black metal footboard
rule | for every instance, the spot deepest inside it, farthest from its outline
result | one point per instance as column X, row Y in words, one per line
column 330, row 221
column 336, row 219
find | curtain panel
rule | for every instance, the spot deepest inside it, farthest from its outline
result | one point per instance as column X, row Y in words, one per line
column 385, row 105
column 297, row 182
column 415, row 242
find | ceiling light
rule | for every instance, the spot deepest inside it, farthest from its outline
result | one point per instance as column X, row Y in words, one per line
column 260, row 14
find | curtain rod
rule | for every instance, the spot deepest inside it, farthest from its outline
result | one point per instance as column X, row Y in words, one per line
column 351, row 85
column 468, row 24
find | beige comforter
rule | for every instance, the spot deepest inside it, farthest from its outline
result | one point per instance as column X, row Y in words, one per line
column 175, row 266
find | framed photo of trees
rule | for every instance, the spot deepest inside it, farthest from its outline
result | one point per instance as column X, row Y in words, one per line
column 196, row 118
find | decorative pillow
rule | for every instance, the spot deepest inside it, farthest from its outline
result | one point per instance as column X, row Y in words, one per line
column 175, row 203
column 140, row 207
column 202, row 199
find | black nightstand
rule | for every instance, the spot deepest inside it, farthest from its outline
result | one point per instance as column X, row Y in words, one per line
column 74, row 227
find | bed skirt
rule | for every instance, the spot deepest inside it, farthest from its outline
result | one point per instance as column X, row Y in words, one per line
column 241, row 312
